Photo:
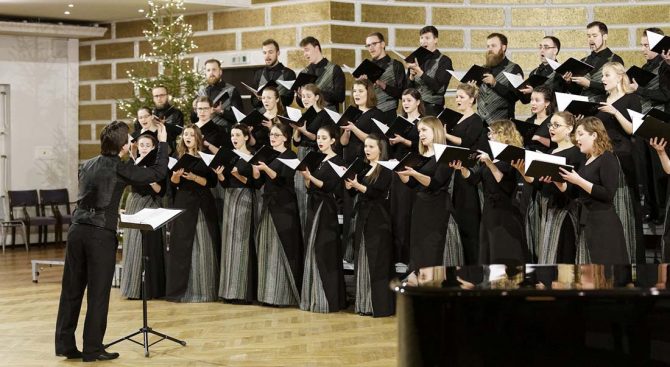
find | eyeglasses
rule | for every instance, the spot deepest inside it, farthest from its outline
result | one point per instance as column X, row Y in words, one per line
column 202, row 109
column 160, row 95
column 543, row 47
column 276, row 135
column 555, row 126
column 372, row 44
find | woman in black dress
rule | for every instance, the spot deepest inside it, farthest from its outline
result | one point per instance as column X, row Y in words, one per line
column 469, row 132
column 323, row 278
column 601, row 236
column 260, row 135
column 659, row 145
column 279, row 239
column 238, row 252
column 402, row 196
column 502, row 238
column 614, row 116
column 192, row 268
column 372, row 238
column 430, row 242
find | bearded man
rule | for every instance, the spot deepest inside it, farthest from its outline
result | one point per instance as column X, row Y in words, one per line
column 223, row 95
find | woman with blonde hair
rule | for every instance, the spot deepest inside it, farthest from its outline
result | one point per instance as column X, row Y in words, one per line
column 502, row 236
column 618, row 124
column 601, row 235
column 434, row 238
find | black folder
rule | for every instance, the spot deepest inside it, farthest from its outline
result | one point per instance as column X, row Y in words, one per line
column 511, row 153
column 254, row 118
column 258, row 91
column 265, row 154
column 149, row 159
column 187, row 162
column 539, row 169
column 641, row 76
column 369, row 68
column 658, row 114
column 220, row 99
column 475, row 73
column 468, row 157
column 583, row 108
column 662, row 45
column 357, row 168
column 533, row 81
column 224, row 157
column 400, row 126
column 303, row 79
column 525, row 128
column 352, row 113
column 413, row 160
column 574, row 66
column 311, row 161
column 307, row 117
column 653, row 128
column 450, row 118
column 421, row 55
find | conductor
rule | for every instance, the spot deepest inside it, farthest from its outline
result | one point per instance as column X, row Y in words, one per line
column 91, row 241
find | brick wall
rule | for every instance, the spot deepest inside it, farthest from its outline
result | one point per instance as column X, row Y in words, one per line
column 341, row 26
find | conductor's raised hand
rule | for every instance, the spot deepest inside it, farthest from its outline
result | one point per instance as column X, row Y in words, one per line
column 161, row 132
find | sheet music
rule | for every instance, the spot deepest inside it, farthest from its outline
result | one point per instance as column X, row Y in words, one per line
column 288, row 84
column 338, row 169
column 292, row 163
column 553, row 63
column 514, row 79
column 293, row 113
column 390, row 164
column 239, row 116
column 245, row 156
column 564, row 99
column 439, row 150
column 459, row 75
column 171, row 162
column 636, row 118
column 537, row 156
column 207, row 158
column 496, row 148
column 381, row 125
column 150, row 216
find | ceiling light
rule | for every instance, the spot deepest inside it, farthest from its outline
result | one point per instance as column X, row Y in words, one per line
column 140, row 11
column 66, row 12
column 70, row 6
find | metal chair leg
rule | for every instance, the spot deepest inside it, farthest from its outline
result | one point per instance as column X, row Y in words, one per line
column 25, row 233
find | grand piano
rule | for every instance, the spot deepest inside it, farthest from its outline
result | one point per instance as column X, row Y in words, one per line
column 535, row 315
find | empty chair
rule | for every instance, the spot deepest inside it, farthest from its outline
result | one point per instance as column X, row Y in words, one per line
column 57, row 201
column 28, row 202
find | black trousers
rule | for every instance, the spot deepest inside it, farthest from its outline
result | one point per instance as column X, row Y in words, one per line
column 89, row 262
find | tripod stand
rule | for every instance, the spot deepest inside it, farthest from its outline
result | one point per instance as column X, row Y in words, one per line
column 145, row 330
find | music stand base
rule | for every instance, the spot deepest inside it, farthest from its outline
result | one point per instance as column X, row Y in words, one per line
column 145, row 331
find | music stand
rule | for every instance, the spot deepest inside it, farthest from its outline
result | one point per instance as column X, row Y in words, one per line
column 147, row 220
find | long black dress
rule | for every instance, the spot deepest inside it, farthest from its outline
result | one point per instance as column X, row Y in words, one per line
column 465, row 197
column 627, row 204
column 192, row 269
column 323, row 278
column 429, row 244
column 279, row 244
column 601, row 233
column 502, row 237
column 374, row 250
column 402, row 197
column 215, row 135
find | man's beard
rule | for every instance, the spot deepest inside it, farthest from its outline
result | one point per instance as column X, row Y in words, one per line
column 213, row 80
column 494, row 59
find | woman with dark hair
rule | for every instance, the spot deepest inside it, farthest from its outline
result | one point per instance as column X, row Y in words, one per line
column 502, row 239
column 238, row 252
column 191, row 256
column 212, row 134
column 601, row 235
column 402, row 196
column 469, row 132
column 541, row 106
column 279, row 240
column 260, row 135
column 323, row 279
column 372, row 237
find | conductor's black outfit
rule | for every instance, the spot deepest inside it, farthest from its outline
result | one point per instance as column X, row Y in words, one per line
column 91, row 246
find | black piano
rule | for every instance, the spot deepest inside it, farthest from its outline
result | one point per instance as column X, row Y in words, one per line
column 535, row 315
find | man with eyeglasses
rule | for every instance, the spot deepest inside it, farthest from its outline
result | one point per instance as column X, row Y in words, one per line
column 273, row 71
column 223, row 95
column 591, row 84
column 330, row 78
column 390, row 85
column 431, row 78
column 166, row 113
column 548, row 48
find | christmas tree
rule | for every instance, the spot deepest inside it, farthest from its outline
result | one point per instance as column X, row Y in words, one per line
column 170, row 42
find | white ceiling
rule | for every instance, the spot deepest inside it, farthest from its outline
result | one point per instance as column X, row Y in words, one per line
column 99, row 10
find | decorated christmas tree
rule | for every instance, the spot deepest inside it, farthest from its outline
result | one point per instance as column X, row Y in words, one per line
column 170, row 42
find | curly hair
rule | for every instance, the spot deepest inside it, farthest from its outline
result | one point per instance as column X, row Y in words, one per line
column 506, row 132
column 602, row 143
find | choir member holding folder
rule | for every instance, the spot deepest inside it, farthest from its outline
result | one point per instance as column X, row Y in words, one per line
column 541, row 107
column 548, row 48
column 238, row 252
column 431, row 244
column 191, row 257
column 140, row 197
column 272, row 71
column 390, row 84
column 279, row 244
column 617, row 121
column 323, row 279
column 273, row 107
column 502, row 236
column 402, row 196
column 601, row 236
column 329, row 76
column 222, row 95
column 372, row 238
column 556, row 220
column 427, row 71
column 469, row 132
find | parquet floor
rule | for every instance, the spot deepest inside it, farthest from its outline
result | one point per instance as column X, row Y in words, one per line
column 216, row 334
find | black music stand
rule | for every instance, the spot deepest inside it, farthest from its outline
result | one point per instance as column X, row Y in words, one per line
column 145, row 330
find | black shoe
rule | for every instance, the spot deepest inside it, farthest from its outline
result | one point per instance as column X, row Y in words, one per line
column 102, row 356
column 75, row 354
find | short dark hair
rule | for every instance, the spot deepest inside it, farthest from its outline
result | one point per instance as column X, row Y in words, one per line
column 215, row 61
column 654, row 30
column 270, row 41
column 500, row 36
column 601, row 26
column 556, row 42
column 378, row 35
column 203, row 99
column 309, row 40
column 113, row 137
column 429, row 29
column 161, row 86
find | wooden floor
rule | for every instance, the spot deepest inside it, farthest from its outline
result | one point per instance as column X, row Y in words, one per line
column 216, row 334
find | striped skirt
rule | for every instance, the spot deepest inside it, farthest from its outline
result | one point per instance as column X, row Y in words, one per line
column 453, row 248
column 550, row 230
column 131, row 281
column 623, row 205
column 363, row 284
column 300, row 189
column 204, row 269
column 236, row 243
column 276, row 285
column 312, row 296
column 533, row 226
